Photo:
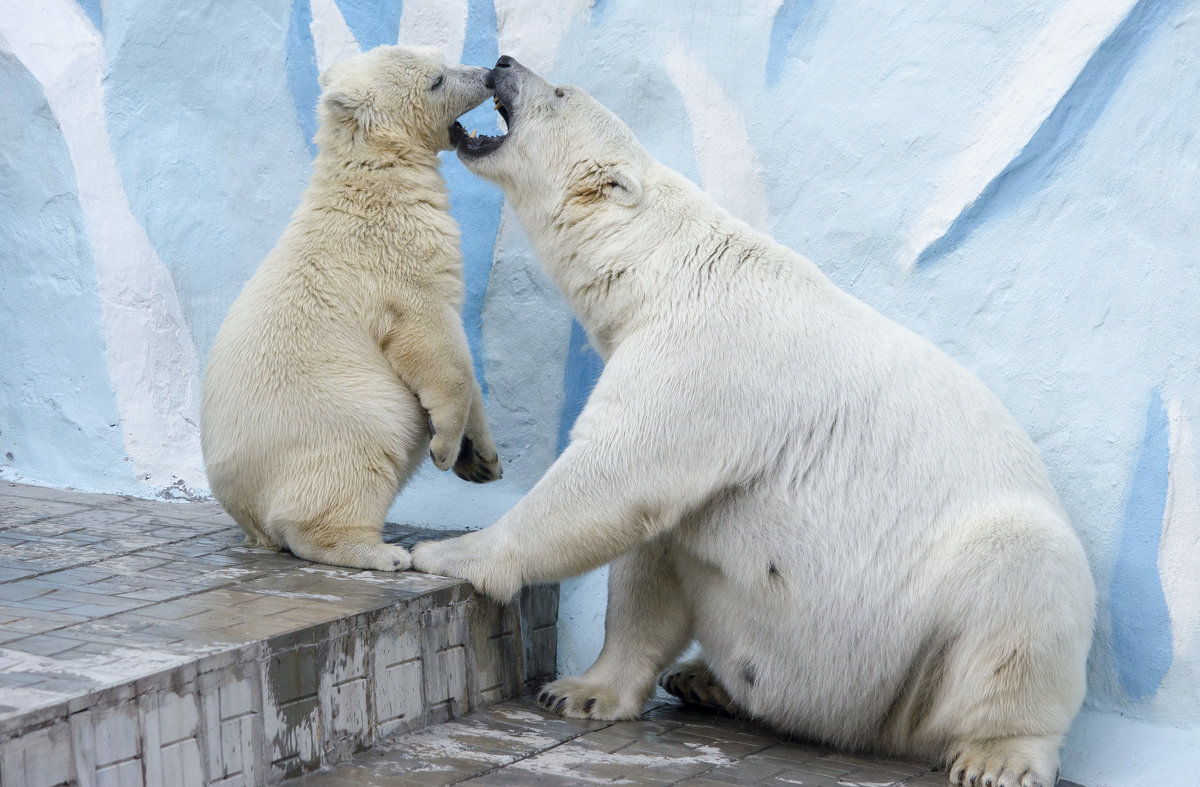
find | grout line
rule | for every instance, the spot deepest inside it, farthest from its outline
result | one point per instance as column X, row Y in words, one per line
column 523, row 757
column 734, row 763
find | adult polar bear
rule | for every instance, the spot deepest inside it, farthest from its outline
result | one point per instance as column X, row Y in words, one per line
column 863, row 541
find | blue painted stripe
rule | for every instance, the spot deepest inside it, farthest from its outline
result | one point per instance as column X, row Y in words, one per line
column 474, row 203
column 1063, row 129
column 599, row 12
column 373, row 22
column 1140, row 620
column 302, row 71
column 583, row 368
column 94, row 11
column 787, row 22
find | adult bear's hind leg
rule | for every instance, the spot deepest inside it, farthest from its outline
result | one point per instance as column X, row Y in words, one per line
column 1014, row 675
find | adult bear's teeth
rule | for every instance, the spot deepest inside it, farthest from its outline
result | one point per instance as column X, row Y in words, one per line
column 473, row 132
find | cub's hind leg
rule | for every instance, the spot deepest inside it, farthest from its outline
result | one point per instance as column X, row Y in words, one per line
column 332, row 510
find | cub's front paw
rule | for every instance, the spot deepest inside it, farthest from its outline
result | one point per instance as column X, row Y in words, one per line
column 473, row 557
column 580, row 698
column 443, row 448
column 477, row 463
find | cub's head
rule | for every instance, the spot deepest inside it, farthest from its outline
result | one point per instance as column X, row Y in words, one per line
column 393, row 99
column 562, row 149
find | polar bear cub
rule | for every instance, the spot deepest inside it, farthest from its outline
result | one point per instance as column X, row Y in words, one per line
column 865, row 544
column 346, row 350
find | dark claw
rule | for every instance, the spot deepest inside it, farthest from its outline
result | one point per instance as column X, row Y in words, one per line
column 542, row 697
column 561, row 705
column 587, row 706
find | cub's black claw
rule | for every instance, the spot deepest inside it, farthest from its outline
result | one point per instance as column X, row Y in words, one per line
column 542, row 697
column 587, row 706
column 561, row 705
column 465, row 451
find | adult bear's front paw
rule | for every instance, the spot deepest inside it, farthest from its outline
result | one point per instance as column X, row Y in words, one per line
column 473, row 557
column 581, row 698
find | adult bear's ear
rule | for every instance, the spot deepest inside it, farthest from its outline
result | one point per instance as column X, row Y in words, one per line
column 622, row 185
column 600, row 182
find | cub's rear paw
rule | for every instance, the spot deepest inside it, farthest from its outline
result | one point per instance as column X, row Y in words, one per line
column 1006, row 762
column 579, row 698
column 372, row 557
column 477, row 463
column 387, row 557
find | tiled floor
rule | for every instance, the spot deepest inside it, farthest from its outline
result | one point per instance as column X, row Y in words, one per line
column 518, row 743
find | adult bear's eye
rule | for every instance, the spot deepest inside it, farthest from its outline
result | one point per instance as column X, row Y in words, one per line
column 437, row 82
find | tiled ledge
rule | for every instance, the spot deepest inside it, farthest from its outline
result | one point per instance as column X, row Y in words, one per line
column 142, row 643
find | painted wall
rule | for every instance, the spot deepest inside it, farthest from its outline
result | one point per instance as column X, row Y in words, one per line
column 1018, row 181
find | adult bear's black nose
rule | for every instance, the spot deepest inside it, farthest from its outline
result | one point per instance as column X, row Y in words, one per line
column 506, row 62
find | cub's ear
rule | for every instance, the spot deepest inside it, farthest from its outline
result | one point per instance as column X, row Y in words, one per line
column 325, row 78
column 349, row 110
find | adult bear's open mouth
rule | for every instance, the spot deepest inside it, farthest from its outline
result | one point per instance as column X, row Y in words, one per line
column 475, row 145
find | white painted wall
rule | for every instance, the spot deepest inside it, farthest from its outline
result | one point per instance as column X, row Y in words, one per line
column 1018, row 181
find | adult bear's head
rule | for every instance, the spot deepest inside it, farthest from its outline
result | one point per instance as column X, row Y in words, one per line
column 394, row 99
column 562, row 150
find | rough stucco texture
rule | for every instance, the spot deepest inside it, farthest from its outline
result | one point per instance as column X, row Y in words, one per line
column 1016, row 181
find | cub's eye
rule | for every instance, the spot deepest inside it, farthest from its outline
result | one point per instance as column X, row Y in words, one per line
column 436, row 82
column 558, row 91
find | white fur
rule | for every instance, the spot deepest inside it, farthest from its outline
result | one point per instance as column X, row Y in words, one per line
column 864, row 542
column 347, row 344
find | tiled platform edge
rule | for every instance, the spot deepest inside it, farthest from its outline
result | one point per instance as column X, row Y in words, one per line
column 142, row 643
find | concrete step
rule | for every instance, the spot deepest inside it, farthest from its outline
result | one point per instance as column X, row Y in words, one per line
column 142, row 643
column 518, row 743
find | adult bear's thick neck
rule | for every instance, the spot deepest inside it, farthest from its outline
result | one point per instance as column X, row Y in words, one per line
column 621, row 267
